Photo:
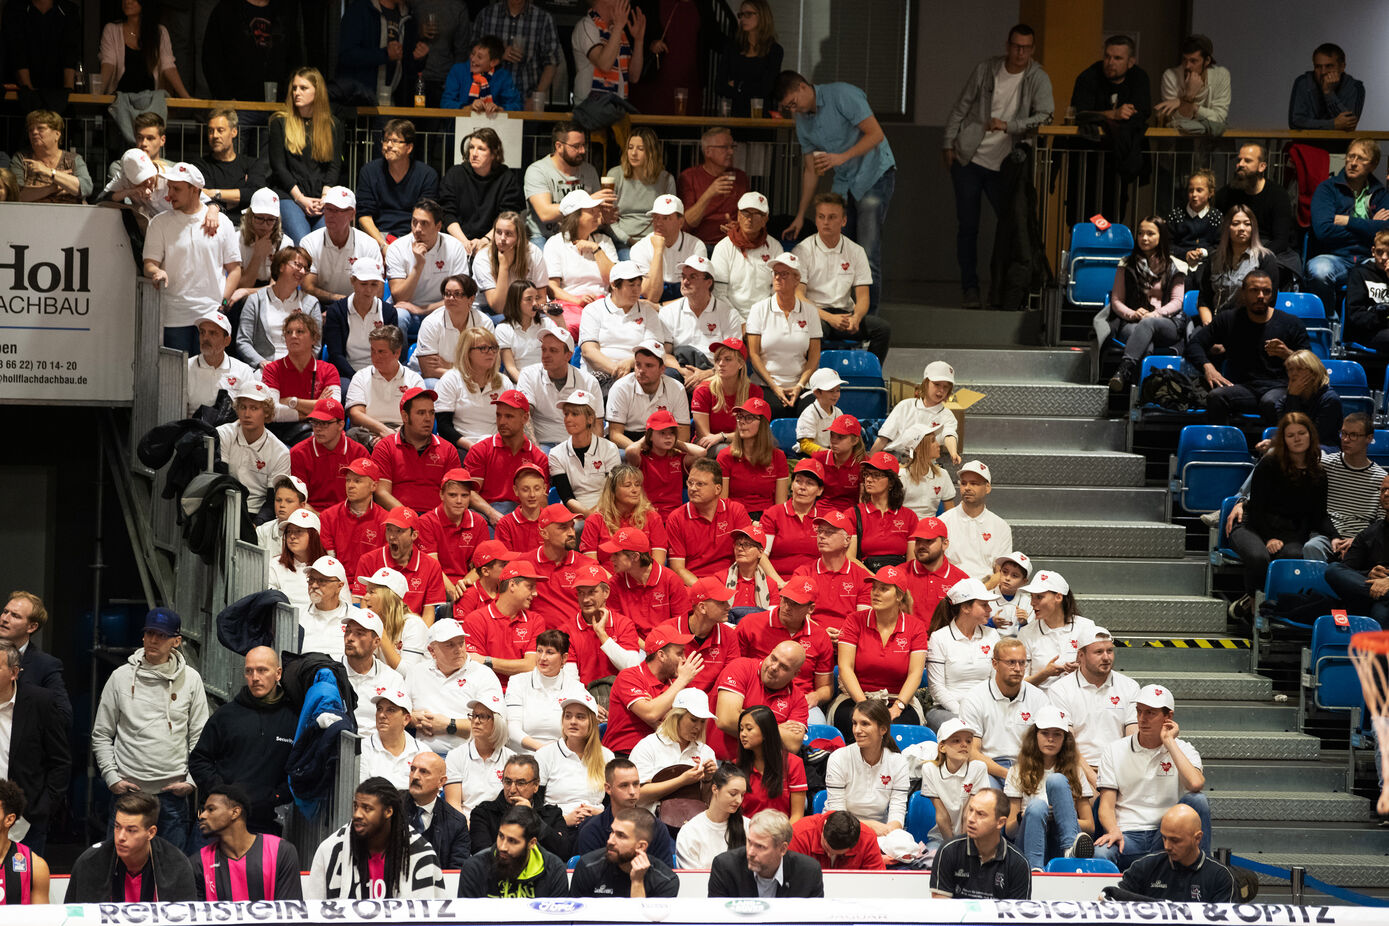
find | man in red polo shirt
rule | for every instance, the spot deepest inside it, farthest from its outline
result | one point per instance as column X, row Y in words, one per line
column 319, row 462
column 713, row 638
column 422, row 573
column 602, row 642
column 496, row 458
column 930, row 575
column 839, row 581
column 489, row 559
column 451, row 530
column 502, row 635
column 643, row 695
column 356, row 525
column 643, row 589
column 747, row 682
column 700, row 532
column 413, row 460
column 520, row 529
column 758, row 634
column 557, row 561
column 837, row 840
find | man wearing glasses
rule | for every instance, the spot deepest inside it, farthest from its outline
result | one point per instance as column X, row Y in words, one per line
column 520, row 786
column 711, row 189
column 549, row 179
column 1001, row 709
column 389, row 187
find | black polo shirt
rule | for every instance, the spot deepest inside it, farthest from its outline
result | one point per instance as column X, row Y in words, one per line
column 595, row 876
column 960, row 872
column 1156, row 876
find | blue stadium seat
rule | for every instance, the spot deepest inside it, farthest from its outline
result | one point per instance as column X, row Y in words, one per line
column 1308, row 308
column 1091, row 262
column 1379, row 447
column 921, row 816
column 1326, row 663
column 1212, row 462
column 784, row 433
column 1223, row 551
column 906, row 734
column 822, row 736
column 1296, row 576
column 1349, row 380
column 1189, row 304
column 817, row 803
column 855, row 367
column 1089, row 866
column 863, row 401
column 553, row 498
column 1154, row 362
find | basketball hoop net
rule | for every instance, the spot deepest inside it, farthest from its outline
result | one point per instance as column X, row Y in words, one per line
column 1369, row 651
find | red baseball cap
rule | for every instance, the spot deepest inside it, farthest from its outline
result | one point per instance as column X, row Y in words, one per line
column 836, row 519
column 846, row 424
column 664, row 635
column 756, row 406
column 888, row 575
column 929, row 529
column 459, row 474
column 884, row 461
column 326, row 409
column 515, row 398
column 362, row 466
column 709, row 587
column 521, row 569
column 813, row 467
column 489, row 551
column 589, row 575
column 627, row 540
column 660, row 420
column 415, row 393
column 403, row 517
column 801, row 590
column 555, row 514
column 753, row 533
column 732, row 344
column 527, row 467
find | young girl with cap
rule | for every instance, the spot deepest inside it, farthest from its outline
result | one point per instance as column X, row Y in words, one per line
column 950, row 779
column 1054, row 637
column 714, row 400
column 923, row 412
column 755, row 469
column 885, row 526
column 571, row 768
column 663, row 460
column 929, row 488
column 843, row 463
column 790, row 526
column 959, row 655
column 1013, row 609
column 623, row 503
column 813, row 426
column 1050, row 812
column 299, row 547
column 289, row 494
column 882, row 652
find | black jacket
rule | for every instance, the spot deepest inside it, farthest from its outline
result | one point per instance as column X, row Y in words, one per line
column 595, row 876
column 249, row 622
column 247, row 742
column 1246, row 361
column 245, row 46
column 289, row 170
column 1323, row 407
column 543, row 876
column 475, row 202
column 730, row 876
column 94, row 869
column 335, row 333
column 1272, row 210
column 555, row 836
column 448, row 834
column 1367, row 301
column 40, row 761
column 1288, row 509
column 44, row 671
column 1369, row 549
column 241, row 173
column 594, row 831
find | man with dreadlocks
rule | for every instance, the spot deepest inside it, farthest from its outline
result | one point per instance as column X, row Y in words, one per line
column 377, row 855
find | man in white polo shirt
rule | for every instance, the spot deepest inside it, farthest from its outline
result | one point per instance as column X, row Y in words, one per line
column 1142, row 776
column 212, row 369
column 361, row 637
column 742, row 261
column 666, row 249
column 643, row 392
column 698, row 319
column 335, row 248
column 418, row 263
column 546, row 383
column 349, row 322
column 442, row 686
column 837, row 278
column 977, row 535
column 329, row 606
column 1001, row 708
column 373, row 397
column 611, row 327
column 1100, row 701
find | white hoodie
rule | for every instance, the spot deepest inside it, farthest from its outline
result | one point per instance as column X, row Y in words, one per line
column 149, row 720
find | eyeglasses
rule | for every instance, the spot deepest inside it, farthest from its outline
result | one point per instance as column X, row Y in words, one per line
column 1354, row 434
column 744, row 418
column 479, row 718
column 517, row 782
column 1012, row 663
column 320, row 580
column 728, row 147
column 453, row 294
column 486, row 348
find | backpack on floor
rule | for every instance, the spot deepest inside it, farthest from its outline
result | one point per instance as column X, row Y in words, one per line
column 1173, row 390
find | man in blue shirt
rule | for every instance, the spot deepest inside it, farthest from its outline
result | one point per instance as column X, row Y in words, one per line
column 389, row 187
column 838, row 132
column 1326, row 97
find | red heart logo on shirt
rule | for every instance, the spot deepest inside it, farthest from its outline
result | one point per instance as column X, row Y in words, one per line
column 766, row 257
column 711, row 326
column 885, row 779
column 597, row 464
column 801, row 323
column 1073, row 645
column 969, row 786
column 985, row 649
column 260, row 464
column 1114, row 699
column 499, row 774
column 937, row 490
column 401, row 388
column 231, row 380
column 439, row 264
column 987, row 536
column 844, row 266
column 1167, row 766
column 1025, row 716
column 639, row 321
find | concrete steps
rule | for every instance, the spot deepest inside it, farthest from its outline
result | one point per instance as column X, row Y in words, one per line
column 1057, row 400
column 988, row 433
column 1138, row 539
column 1352, row 871
column 1050, row 468
column 953, row 326
column 1288, row 806
column 1276, row 717
column 1173, row 615
column 1309, row 776
column 1004, row 364
column 1242, row 744
column 1257, row 838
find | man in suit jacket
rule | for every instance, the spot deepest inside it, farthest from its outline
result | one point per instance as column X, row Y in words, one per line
column 766, row 867
column 445, row 828
column 24, row 616
column 38, row 760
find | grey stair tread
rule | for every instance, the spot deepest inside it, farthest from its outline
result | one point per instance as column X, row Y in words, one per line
column 1060, row 400
column 1226, row 686
column 1252, row 715
column 1145, row 539
column 928, row 328
column 1110, row 503
column 984, row 433
column 1052, row 467
column 1186, row 576
column 1245, row 837
column 1342, row 870
column 1323, row 777
column 1018, row 364
column 1172, row 614
column 1287, row 805
column 1256, row 744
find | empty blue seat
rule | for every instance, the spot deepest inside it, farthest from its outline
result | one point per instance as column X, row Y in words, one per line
column 856, row 367
column 1223, row 550
column 1308, row 308
column 1189, row 304
column 1379, row 447
column 1326, row 662
column 1349, row 380
column 863, row 401
column 817, row 803
column 921, row 816
column 1212, row 462
column 906, row 734
column 784, row 433
column 1089, row 866
column 1093, row 257
column 1296, row 576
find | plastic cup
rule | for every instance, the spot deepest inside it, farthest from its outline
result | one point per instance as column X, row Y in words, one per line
column 96, row 84
column 756, row 105
column 725, row 108
column 536, row 103
column 272, row 91
column 682, row 97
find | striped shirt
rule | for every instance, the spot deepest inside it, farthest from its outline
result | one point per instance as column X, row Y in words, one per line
column 1352, row 495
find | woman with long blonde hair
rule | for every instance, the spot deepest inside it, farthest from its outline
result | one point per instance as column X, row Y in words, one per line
column 638, row 180
column 751, row 61
column 755, row 471
column 464, row 410
column 714, row 399
column 678, row 742
column 623, row 503
column 406, row 636
column 571, row 768
column 928, row 486
column 507, row 257
column 305, row 153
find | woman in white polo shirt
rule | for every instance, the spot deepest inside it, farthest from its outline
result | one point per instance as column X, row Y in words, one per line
column 950, row 779
column 958, row 656
column 784, row 339
column 1053, row 636
column 532, row 697
column 473, row 771
column 579, row 257
column 571, row 768
column 519, row 332
column 871, row 778
column 389, row 750
column 1050, row 813
column 299, row 547
column 678, row 742
column 582, row 462
column 464, row 411
column 508, row 257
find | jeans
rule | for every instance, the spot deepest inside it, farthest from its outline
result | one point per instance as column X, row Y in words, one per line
column 1326, row 274
column 866, row 217
column 1141, row 337
column 1045, row 832
column 175, row 819
column 296, row 223
column 1351, row 588
column 874, row 330
column 1227, row 401
column 1254, row 555
column 1318, row 548
column 1006, row 762
column 409, row 324
column 183, row 337
column 972, row 183
column 1138, row 843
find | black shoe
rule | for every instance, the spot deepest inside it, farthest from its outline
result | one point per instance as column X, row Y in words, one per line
column 971, row 300
column 1123, row 377
column 1082, row 847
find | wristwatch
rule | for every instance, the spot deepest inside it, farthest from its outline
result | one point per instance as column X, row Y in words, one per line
column 452, row 728
column 900, row 705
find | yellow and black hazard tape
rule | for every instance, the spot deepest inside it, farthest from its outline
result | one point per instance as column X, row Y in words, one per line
column 1188, row 643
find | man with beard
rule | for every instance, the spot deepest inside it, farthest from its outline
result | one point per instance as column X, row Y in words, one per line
column 231, row 176
column 930, row 574
column 422, row 573
column 445, row 828
column 516, row 866
column 549, row 179
column 497, row 458
column 521, row 788
column 232, row 866
column 622, row 868
column 1115, row 96
column 376, row 856
column 1099, row 702
column 1250, row 186
column 622, row 784
column 368, row 676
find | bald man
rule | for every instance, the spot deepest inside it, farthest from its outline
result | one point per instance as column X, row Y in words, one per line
column 746, row 682
column 445, row 828
column 1181, row 871
column 247, row 741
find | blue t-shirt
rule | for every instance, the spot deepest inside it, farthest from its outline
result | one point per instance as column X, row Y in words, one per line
column 833, row 127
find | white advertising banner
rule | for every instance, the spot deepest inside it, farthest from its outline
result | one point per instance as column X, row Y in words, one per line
column 67, row 306
column 507, row 129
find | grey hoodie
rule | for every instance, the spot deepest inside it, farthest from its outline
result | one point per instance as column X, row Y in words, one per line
column 149, row 720
column 964, row 129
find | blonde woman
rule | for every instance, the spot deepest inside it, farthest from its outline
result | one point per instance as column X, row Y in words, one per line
column 464, row 409
column 751, row 61
column 474, row 769
column 305, row 153
column 507, row 257
column 571, row 768
column 1310, row 392
column 261, row 236
column 406, row 637
column 926, row 483
column 677, row 743
column 755, row 469
column 623, row 503
column 715, row 399
column 638, row 180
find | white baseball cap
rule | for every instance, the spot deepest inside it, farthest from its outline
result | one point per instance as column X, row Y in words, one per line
column 667, row 205
column 215, row 317
column 580, row 397
column 298, row 485
column 394, row 696
column 1047, row 581
column 651, row 346
column 303, row 517
column 697, row 262
column 445, row 629
column 575, row 200
column 1050, row 717
column 332, row 568
column 1017, row 557
column 578, row 694
column 951, row 727
column 265, row 201
column 341, row 197
column 824, row 378
column 970, row 590
column 938, row 371
column 367, row 269
column 624, row 270
column 250, row 389
column 389, row 578
column 559, row 334
column 1093, row 634
column 183, row 172
column 137, row 167
column 753, row 200
column 695, row 702
column 787, row 259
column 1158, row 696
column 367, row 619
column 489, row 700
column 978, row 468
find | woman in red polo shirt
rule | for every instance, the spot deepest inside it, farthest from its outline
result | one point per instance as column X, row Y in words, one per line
column 882, row 653
column 754, row 468
column 623, row 503
column 885, row 524
column 790, row 526
column 776, row 778
column 753, row 590
column 714, row 399
column 842, row 463
column 663, row 461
